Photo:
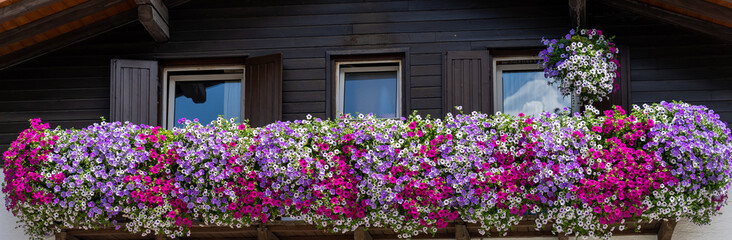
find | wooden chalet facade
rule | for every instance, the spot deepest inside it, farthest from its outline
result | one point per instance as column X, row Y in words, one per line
column 71, row 62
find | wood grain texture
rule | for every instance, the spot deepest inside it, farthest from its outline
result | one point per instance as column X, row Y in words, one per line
column 134, row 91
column 263, row 91
column 53, row 21
column 467, row 82
column 16, row 10
column 153, row 15
column 666, row 231
column 692, row 23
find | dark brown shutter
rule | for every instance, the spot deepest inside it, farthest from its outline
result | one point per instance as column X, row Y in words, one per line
column 467, row 82
column 134, row 91
column 263, row 89
column 620, row 97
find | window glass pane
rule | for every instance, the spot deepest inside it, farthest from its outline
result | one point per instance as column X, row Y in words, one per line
column 206, row 100
column 370, row 92
column 528, row 92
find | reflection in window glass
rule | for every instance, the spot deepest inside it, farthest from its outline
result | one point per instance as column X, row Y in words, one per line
column 528, row 92
column 371, row 92
column 206, row 100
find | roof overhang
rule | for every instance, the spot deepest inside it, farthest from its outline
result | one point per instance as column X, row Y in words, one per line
column 31, row 28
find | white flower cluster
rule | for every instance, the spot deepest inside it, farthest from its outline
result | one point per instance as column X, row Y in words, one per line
column 587, row 72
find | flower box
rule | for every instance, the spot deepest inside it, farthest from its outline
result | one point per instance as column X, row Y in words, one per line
column 583, row 173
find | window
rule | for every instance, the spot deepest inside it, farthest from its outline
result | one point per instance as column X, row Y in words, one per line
column 520, row 87
column 204, row 94
column 188, row 88
column 369, row 87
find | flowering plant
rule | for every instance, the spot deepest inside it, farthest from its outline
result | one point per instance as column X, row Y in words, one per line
column 584, row 63
column 585, row 174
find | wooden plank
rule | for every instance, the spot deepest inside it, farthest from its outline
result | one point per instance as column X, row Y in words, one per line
column 264, row 234
column 426, row 92
column 42, row 105
column 16, row 10
column 155, row 24
column 68, row 39
column 304, row 74
column 361, row 234
column 378, row 40
column 50, row 22
column 307, row 85
column 52, row 83
column 426, row 59
column 299, row 96
column 60, row 236
column 713, row 30
column 372, row 17
column 433, row 112
column 666, row 231
column 461, row 233
column 64, row 115
column 426, row 81
column 558, row 20
column 426, row 103
column 249, row 9
column 303, row 107
column 50, row 94
column 303, row 63
column 300, row 116
column 702, row 10
column 427, row 70
column 159, row 7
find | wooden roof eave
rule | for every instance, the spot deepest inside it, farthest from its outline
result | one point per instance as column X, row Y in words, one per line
column 664, row 13
column 77, row 35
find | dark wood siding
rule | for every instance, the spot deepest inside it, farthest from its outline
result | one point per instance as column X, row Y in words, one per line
column 70, row 87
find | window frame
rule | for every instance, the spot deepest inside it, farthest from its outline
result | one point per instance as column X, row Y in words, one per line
column 168, row 103
column 498, row 80
column 340, row 81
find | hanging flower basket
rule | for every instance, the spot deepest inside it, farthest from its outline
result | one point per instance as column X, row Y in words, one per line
column 583, row 63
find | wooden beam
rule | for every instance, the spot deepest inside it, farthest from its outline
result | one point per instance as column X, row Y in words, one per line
column 154, row 17
column 157, row 5
column 461, row 232
column 61, row 236
column 361, row 234
column 666, row 231
column 265, row 234
column 578, row 13
column 713, row 30
column 67, row 39
column 21, row 8
column 702, row 10
column 50, row 22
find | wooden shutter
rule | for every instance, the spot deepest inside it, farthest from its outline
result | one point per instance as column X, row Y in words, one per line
column 620, row 97
column 263, row 89
column 467, row 82
column 134, row 91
